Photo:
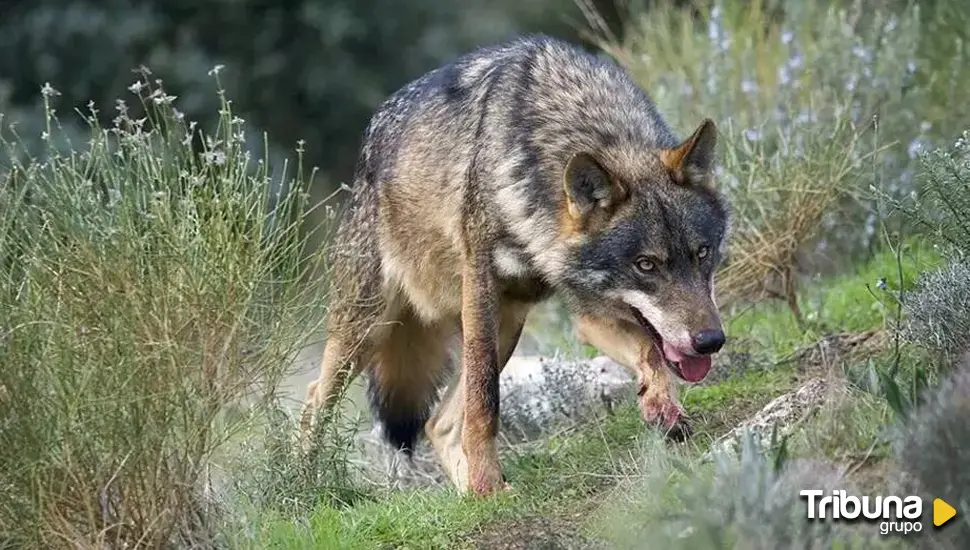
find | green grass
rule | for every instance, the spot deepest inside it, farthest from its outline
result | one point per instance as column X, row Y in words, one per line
column 415, row 519
column 848, row 302
column 549, row 475
column 847, row 428
column 853, row 302
column 752, row 385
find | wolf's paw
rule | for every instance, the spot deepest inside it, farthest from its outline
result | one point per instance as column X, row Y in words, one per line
column 659, row 410
column 487, row 480
column 681, row 430
column 666, row 415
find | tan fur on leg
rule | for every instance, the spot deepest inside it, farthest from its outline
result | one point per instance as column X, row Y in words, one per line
column 340, row 365
column 444, row 429
column 444, row 432
column 628, row 345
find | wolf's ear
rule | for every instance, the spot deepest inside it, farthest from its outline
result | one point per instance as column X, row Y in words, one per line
column 589, row 186
column 693, row 160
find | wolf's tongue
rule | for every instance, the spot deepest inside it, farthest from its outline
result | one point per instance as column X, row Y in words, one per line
column 695, row 369
column 692, row 367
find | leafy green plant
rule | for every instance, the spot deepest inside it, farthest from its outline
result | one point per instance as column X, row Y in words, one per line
column 942, row 206
column 901, row 398
column 935, row 311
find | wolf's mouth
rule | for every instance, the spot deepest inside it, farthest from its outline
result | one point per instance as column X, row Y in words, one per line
column 691, row 368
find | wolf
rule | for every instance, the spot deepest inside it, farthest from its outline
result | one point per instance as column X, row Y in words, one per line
column 518, row 172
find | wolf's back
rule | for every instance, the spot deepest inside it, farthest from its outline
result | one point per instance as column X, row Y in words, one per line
column 532, row 95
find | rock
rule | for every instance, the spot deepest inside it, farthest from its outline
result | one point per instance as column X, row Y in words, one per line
column 785, row 411
column 386, row 466
column 540, row 393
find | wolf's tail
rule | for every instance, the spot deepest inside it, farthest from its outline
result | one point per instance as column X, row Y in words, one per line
column 403, row 405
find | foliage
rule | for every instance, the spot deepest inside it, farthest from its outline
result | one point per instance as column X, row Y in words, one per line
column 942, row 205
column 936, row 312
column 747, row 502
column 150, row 301
column 298, row 69
column 932, row 447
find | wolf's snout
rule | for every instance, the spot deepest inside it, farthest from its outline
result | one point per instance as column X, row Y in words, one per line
column 707, row 342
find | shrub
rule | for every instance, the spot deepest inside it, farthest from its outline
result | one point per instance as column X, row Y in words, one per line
column 749, row 502
column 271, row 475
column 151, row 299
column 932, row 449
column 942, row 206
column 936, row 313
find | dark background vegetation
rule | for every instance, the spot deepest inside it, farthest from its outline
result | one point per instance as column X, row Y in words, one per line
column 311, row 69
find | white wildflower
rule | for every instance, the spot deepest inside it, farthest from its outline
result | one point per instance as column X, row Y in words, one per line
column 163, row 99
column 915, row 148
column 217, row 158
column 48, row 91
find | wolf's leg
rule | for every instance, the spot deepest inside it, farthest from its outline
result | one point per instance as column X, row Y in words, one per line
column 628, row 345
column 359, row 308
column 343, row 359
column 359, row 332
column 480, row 302
column 444, row 429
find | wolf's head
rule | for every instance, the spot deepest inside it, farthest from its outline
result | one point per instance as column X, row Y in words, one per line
column 645, row 243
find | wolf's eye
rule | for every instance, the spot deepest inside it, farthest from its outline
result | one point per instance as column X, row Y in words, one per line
column 703, row 251
column 645, row 265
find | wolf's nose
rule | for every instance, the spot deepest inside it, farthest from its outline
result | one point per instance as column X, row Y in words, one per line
column 707, row 342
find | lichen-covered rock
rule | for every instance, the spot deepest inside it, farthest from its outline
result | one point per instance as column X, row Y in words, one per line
column 785, row 411
column 540, row 393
